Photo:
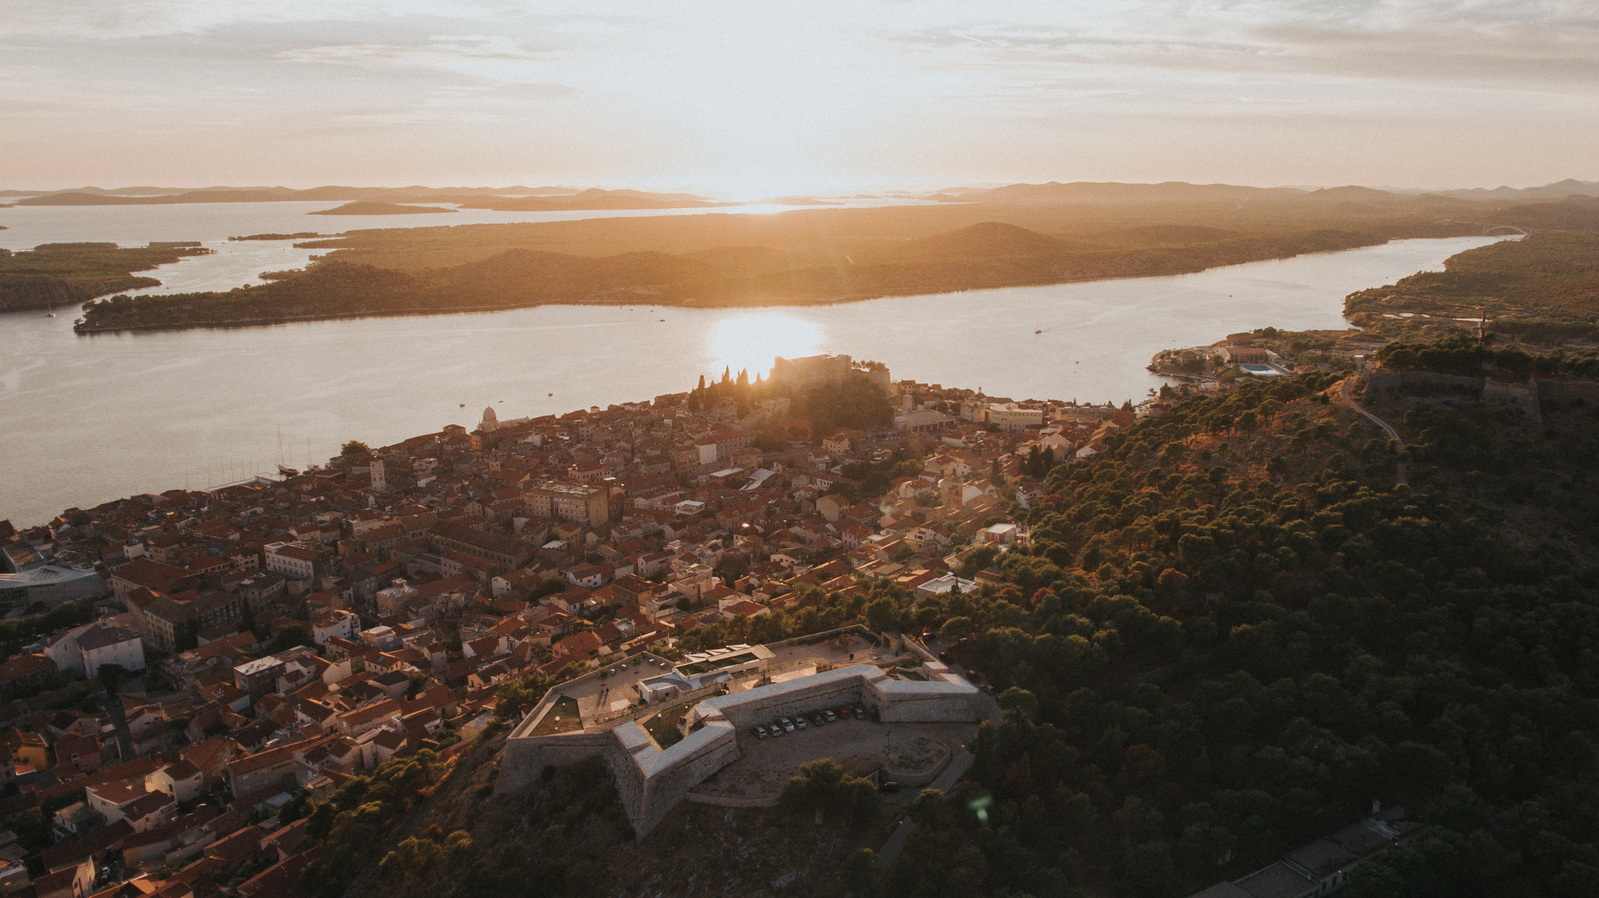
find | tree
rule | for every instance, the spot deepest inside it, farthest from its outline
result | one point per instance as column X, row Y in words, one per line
column 1019, row 703
column 881, row 615
column 860, row 871
column 956, row 629
column 112, row 676
column 354, row 447
column 824, row 786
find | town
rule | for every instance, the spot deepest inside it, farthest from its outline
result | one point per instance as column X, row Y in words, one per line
column 190, row 668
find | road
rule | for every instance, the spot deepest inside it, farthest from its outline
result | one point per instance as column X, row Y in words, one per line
column 958, row 765
column 1346, row 398
column 903, row 828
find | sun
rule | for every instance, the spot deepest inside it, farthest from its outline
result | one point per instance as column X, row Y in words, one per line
column 752, row 341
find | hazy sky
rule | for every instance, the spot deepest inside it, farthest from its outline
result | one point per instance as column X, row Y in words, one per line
column 751, row 99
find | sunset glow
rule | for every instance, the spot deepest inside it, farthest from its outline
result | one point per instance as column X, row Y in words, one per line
column 751, row 100
column 751, row 342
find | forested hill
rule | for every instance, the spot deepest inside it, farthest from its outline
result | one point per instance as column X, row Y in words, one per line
column 1545, row 286
column 1234, row 631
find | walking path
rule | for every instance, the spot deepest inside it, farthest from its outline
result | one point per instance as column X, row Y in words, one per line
column 946, row 781
column 1345, row 398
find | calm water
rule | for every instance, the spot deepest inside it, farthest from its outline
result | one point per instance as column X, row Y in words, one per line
column 84, row 420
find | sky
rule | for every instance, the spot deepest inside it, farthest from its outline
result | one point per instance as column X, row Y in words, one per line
column 749, row 99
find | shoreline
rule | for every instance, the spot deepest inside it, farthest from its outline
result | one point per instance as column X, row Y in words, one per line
column 639, row 330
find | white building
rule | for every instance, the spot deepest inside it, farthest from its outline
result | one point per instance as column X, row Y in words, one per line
column 334, row 623
column 1012, row 418
column 296, row 561
column 181, row 780
column 84, row 650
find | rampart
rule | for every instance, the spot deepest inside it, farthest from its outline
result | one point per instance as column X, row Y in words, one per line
column 1390, row 383
column 651, row 780
column 1526, row 398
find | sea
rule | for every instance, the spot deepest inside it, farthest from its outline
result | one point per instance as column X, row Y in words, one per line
column 88, row 419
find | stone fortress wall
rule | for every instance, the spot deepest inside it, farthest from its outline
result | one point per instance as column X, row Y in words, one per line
column 1526, row 398
column 651, row 780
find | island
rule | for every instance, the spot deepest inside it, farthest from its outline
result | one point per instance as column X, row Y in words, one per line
column 372, row 207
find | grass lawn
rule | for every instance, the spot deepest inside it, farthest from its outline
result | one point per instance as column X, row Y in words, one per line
column 563, row 718
column 663, row 726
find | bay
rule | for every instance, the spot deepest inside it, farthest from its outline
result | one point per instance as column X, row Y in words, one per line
column 84, row 420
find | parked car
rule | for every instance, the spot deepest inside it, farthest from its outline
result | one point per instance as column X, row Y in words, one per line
column 859, row 710
column 774, row 729
column 799, row 721
column 788, row 725
column 842, row 712
column 759, row 731
column 889, row 787
column 831, row 716
column 818, row 719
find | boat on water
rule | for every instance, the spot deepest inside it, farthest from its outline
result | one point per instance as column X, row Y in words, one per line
column 287, row 471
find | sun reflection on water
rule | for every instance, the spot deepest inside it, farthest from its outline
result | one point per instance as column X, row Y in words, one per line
column 752, row 341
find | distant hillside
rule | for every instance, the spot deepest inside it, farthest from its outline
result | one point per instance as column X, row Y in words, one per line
column 152, row 196
column 1113, row 192
column 592, row 199
column 1555, row 191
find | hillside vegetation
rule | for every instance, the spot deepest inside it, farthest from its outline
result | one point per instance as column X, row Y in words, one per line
column 1234, row 632
column 1543, row 286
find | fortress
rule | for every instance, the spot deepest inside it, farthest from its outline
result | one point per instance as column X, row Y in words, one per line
column 652, row 780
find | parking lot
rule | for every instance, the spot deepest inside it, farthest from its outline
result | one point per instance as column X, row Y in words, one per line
column 912, row 752
column 599, row 697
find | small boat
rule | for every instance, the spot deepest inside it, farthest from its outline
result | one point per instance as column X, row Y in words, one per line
column 287, row 471
column 463, row 405
column 1038, row 331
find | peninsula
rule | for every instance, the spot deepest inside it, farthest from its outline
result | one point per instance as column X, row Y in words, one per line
column 66, row 275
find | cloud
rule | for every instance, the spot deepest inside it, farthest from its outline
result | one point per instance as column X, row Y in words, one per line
column 440, row 52
column 1550, row 44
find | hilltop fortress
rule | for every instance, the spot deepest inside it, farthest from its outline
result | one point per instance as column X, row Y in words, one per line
column 651, row 780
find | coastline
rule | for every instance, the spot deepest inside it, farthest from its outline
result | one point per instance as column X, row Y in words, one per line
column 1096, row 343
